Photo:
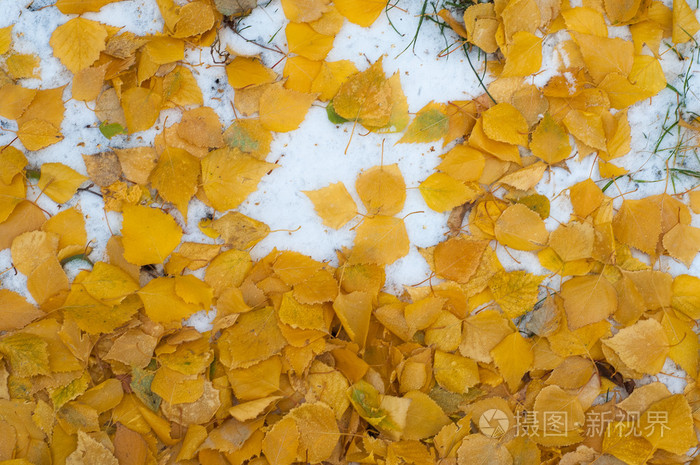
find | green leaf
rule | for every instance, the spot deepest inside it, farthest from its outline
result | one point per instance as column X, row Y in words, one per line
column 110, row 130
column 334, row 117
column 141, row 385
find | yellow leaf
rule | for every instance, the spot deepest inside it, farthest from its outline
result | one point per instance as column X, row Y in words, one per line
column 301, row 316
column 504, row 123
column 588, row 299
column 620, row 11
column 564, row 429
column 35, row 134
column 229, row 176
column 149, row 235
column 333, row 204
column 515, row 292
column 524, row 55
column 281, row 442
column 15, row 311
column 11, row 195
column 14, row 100
column 549, row 141
column 521, row 228
column 47, row 280
column 194, row 18
column 381, row 189
column 201, row 127
column 240, row 231
column 455, row 373
column 93, row 316
column 424, row 418
column 141, row 108
column 78, row 43
column 300, row 73
column 78, row 7
column 442, row 192
column 685, row 24
column 585, row 20
column 109, row 283
column 26, row 353
column 587, row 127
column 488, row 449
column 604, row 55
column 361, row 12
column 87, row 83
column 247, row 71
column 331, row 77
column 354, row 311
column 318, row 431
column 304, row 11
column 643, row 347
column 176, row 388
column 638, row 224
column 22, row 66
column 248, row 136
column 256, row 381
column 380, row 240
column 366, row 97
column 683, row 243
column 89, row 450
column 59, row 182
column 684, row 343
column 228, row 269
column 304, row 41
column 254, row 337
column 686, row 295
column 668, row 425
column 513, row 358
column 181, row 88
column 500, row 150
column 463, row 163
column 648, row 75
column 481, row 24
column 283, row 110
column 175, row 177
column 430, row 124
column 162, row 304
column 5, row 39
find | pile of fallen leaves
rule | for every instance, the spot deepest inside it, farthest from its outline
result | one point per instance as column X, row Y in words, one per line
column 312, row 363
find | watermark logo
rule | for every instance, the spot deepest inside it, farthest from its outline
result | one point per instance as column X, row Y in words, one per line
column 494, row 423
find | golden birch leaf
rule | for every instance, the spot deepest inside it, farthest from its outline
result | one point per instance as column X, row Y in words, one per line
column 149, row 235
column 524, row 56
column 638, row 224
column 304, row 11
column 229, row 176
column 603, row 55
column 240, row 231
column 109, row 283
column 78, row 43
column 515, row 292
column 504, row 123
column 78, row 7
column 333, row 204
column 513, row 358
column 47, row 280
column 483, row 450
column 442, row 192
column 283, row 110
column 683, row 341
column 643, row 347
column 26, row 353
column 354, row 311
column 550, row 142
column 22, row 66
column 380, row 240
column 14, row 100
column 521, row 228
column 5, row 39
column 586, row 20
column 458, row 258
column 588, row 299
column 587, row 127
column 59, row 182
column 194, row 18
column 683, row 243
column 430, row 124
column 381, row 189
column 686, row 295
column 481, row 24
column 455, row 373
column 162, row 304
column 88, row 82
column 668, row 425
column 366, row 97
column 36, row 134
column 11, row 195
column 90, row 450
column 361, row 12
column 306, row 42
column 281, row 442
column 95, row 317
column 30, row 249
column 141, row 108
column 254, row 337
column 15, row 311
column 248, row 71
column 620, row 11
column 175, row 177
column 331, row 77
column 463, row 163
column 424, row 418
column 568, row 428
column 201, row 127
column 685, row 24
column 318, row 431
